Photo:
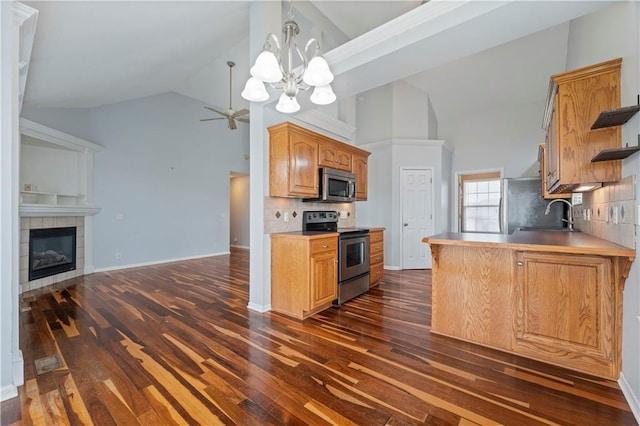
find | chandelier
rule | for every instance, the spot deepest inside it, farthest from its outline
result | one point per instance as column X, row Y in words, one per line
column 269, row 68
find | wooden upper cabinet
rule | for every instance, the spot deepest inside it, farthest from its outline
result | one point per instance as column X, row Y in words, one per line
column 360, row 169
column 293, row 162
column 576, row 99
column 544, row 175
column 333, row 156
column 296, row 154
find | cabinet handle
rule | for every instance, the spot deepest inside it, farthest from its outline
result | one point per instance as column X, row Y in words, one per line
column 520, row 263
column 325, row 246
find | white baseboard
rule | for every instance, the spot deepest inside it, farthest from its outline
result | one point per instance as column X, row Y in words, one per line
column 632, row 398
column 158, row 262
column 240, row 247
column 392, row 268
column 11, row 390
column 8, row 392
column 259, row 308
column 18, row 369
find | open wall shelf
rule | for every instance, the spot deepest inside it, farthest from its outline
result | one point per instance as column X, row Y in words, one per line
column 615, row 117
column 615, row 154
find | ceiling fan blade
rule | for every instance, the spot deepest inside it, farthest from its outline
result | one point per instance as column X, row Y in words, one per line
column 243, row 120
column 209, row 119
column 241, row 112
column 232, row 124
column 216, row 110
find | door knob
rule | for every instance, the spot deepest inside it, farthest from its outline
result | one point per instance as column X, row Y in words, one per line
column 405, row 224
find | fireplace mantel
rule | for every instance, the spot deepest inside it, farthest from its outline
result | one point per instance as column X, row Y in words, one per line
column 45, row 210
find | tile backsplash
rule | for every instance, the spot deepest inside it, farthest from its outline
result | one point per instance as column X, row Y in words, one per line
column 285, row 214
column 612, row 213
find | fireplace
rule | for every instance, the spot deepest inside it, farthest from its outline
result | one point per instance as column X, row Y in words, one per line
column 51, row 251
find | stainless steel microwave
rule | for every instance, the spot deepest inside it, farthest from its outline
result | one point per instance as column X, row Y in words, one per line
column 336, row 186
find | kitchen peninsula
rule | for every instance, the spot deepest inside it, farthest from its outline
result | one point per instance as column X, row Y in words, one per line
column 547, row 295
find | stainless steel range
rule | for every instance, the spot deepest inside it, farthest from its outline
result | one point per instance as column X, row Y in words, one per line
column 353, row 253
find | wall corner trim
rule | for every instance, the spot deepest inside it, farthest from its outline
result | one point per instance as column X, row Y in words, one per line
column 629, row 394
column 259, row 308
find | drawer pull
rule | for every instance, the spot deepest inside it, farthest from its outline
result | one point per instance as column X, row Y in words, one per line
column 520, row 263
column 325, row 246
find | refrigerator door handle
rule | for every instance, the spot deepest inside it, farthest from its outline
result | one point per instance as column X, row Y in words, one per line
column 500, row 217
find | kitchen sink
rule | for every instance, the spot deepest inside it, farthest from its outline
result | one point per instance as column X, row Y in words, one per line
column 550, row 229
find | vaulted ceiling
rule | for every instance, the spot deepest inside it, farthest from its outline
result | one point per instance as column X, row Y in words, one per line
column 464, row 54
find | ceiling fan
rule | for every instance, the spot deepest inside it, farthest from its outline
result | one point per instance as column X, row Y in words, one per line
column 230, row 114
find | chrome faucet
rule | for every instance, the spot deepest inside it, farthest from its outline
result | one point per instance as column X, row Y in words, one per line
column 570, row 220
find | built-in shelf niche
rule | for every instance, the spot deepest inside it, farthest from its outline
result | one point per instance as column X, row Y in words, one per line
column 56, row 172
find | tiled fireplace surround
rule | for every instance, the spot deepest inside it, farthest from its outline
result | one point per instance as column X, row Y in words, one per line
column 28, row 223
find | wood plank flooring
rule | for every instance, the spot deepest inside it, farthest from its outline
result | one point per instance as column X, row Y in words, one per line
column 175, row 344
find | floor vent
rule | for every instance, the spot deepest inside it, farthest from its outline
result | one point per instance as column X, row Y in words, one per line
column 48, row 363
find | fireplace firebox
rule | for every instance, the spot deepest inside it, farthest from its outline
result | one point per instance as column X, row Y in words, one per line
column 51, row 251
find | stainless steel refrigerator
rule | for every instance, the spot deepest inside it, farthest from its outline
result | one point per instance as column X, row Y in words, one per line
column 522, row 206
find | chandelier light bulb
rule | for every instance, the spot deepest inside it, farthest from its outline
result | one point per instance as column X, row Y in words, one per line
column 317, row 72
column 255, row 91
column 276, row 66
column 323, row 95
column 287, row 105
column 266, row 68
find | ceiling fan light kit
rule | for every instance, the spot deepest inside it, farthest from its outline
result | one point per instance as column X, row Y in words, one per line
column 268, row 69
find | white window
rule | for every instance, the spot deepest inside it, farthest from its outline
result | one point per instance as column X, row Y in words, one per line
column 480, row 202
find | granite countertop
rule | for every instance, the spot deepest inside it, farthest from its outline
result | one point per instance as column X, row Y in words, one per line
column 551, row 241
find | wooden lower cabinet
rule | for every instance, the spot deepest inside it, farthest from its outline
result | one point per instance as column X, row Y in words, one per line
column 473, row 303
column 304, row 273
column 566, row 311
column 376, row 256
column 561, row 308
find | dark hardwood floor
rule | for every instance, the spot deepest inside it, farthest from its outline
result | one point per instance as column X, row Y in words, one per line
column 176, row 344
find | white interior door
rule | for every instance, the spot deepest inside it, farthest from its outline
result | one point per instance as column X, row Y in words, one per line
column 417, row 217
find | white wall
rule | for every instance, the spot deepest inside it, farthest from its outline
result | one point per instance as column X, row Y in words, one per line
column 239, row 187
column 8, row 280
column 410, row 112
column 374, row 103
column 497, row 138
column 409, row 123
column 376, row 211
column 612, row 33
column 165, row 173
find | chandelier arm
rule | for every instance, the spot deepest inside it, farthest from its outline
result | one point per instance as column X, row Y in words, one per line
column 309, row 43
column 271, row 37
column 303, row 58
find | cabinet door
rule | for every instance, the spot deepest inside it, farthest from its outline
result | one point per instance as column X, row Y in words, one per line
column 324, row 278
column 331, row 156
column 551, row 149
column 565, row 311
column 360, row 170
column 303, row 165
column 544, row 177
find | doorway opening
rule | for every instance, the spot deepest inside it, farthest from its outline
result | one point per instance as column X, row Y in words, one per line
column 239, row 210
